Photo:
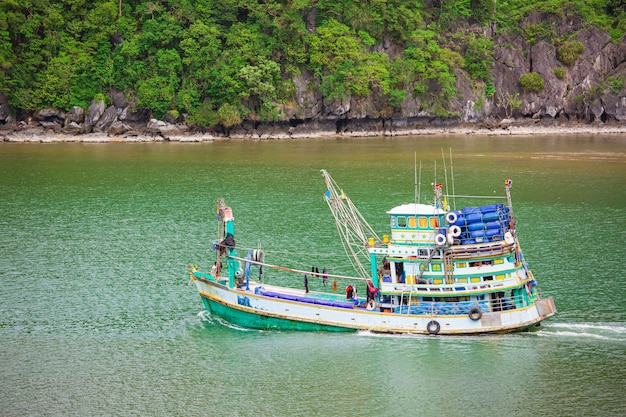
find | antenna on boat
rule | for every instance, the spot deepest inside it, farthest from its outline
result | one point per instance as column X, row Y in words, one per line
column 415, row 175
column 434, row 185
column 419, row 191
column 445, row 172
column 452, row 175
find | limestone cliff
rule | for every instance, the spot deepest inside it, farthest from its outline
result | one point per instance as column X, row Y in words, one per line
column 590, row 89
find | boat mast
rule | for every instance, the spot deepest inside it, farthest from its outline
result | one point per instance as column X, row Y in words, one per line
column 226, row 242
column 419, row 189
column 415, row 174
column 507, row 188
column 445, row 172
column 352, row 226
column 452, row 175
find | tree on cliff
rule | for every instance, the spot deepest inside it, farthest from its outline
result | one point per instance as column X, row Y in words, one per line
column 209, row 58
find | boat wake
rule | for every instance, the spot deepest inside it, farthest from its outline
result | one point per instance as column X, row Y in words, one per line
column 602, row 331
column 207, row 319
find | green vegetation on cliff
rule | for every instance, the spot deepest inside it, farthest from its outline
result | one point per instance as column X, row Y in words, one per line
column 221, row 61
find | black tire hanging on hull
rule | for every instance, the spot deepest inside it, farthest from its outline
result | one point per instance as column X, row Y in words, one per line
column 475, row 314
column 433, row 327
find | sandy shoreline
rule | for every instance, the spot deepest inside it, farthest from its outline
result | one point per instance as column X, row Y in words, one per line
column 38, row 136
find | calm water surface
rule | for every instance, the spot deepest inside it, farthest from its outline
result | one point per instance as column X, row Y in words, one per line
column 96, row 317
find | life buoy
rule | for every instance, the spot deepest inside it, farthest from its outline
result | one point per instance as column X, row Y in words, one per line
column 475, row 313
column 440, row 240
column 451, row 217
column 433, row 327
column 455, row 231
column 371, row 305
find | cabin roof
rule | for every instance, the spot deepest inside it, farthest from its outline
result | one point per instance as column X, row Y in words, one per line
column 416, row 209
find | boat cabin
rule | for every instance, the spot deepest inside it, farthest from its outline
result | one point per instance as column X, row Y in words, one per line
column 426, row 261
column 415, row 224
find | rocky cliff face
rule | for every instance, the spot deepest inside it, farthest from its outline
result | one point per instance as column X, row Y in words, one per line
column 583, row 92
column 589, row 90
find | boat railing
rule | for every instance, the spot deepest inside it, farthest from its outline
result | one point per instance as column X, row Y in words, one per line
column 438, row 308
column 465, row 252
column 448, row 288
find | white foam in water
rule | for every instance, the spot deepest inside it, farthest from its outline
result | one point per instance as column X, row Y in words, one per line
column 612, row 328
column 232, row 326
column 595, row 331
column 205, row 316
column 574, row 334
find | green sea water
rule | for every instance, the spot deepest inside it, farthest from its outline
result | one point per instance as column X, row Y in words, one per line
column 97, row 318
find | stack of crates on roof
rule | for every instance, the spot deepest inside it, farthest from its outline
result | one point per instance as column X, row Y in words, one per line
column 483, row 224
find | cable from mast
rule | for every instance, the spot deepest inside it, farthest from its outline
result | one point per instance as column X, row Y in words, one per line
column 351, row 225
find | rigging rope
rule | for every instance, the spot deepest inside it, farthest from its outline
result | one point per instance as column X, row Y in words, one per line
column 351, row 225
column 298, row 271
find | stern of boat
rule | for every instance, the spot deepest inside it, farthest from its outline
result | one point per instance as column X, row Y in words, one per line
column 546, row 307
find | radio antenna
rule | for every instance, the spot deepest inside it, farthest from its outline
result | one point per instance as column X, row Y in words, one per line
column 452, row 174
column 415, row 175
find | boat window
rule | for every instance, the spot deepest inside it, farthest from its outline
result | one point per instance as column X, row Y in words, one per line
column 400, row 276
column 434, row 222
column 436, row 267
column 412, row 222
column 423, row 222
column 481, row 263
column 461, row 265
column 401, row 221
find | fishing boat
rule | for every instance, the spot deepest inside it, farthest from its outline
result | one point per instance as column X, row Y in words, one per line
column 440, row 271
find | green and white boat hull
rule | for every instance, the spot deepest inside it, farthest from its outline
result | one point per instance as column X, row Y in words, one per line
column 246, row 309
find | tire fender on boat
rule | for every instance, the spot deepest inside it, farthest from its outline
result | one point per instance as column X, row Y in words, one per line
column 475, row 314
column 451, row 217
column 455, row 231
column 433, row 327
column 440, row 239
column 371, row 305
